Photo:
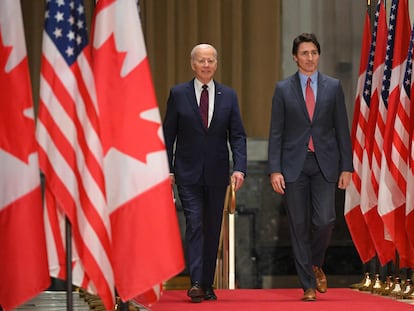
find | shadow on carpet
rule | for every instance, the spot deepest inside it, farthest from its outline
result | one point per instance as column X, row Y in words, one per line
column 338, row 299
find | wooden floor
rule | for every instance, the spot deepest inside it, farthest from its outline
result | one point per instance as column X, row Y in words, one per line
column 54, row 301
column 57, row 301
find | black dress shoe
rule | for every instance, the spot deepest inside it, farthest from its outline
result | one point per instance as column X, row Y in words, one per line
column 196, row 293
column 209, row 294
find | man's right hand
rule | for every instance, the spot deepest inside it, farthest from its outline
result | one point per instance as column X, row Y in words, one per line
column 278, row 182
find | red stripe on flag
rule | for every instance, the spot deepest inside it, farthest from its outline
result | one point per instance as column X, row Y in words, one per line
column 70, row 150
column 353, row 214
column 369, row 186
column 409, row 219
column 392, row 185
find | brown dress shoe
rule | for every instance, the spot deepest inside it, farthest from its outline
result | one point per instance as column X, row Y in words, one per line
column 309, row 295
column 321, row 282
column 196, row 293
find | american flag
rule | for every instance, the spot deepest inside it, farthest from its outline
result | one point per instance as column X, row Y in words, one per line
column 409, row 219
column 70, row 152
column 352, row 210
column 395, row 119
column 371, row 97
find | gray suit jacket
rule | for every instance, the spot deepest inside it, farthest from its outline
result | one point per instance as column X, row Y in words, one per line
column 291, row 128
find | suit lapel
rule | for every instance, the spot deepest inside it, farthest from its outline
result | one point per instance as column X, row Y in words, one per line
column 218, row 96
column 191, row 96
column 321, row 91
column 297, row 90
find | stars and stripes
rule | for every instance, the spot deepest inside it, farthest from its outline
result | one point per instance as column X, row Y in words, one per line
column 408, row 84
column 369, row 197
column 387, row 176
column 371, row 97
column 70, row 152
column 395, row 122
column 409, row 225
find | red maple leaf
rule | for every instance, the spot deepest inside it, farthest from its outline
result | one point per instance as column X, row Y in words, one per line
column 16, row 130
column 122, row 100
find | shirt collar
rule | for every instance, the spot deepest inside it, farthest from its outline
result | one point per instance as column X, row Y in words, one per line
column 199, row 86
column 304, row 78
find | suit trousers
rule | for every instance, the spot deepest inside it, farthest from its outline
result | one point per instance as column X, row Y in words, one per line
column 310, row 205
column 203, row 211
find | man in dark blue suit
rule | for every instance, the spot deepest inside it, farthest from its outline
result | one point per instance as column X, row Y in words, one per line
column 197, row 140
column 309, row 153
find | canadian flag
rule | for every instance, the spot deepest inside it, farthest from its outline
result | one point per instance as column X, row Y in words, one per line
column 354, row 217
column 146, row 243
column 23, row 261
column 392, row 182
column 373, row 139
column 409, row 218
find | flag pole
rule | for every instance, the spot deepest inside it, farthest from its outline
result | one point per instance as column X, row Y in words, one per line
column 123, row 306
column 369, row 8
column 68, row 237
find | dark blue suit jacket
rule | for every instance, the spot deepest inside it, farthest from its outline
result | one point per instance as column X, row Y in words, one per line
column 197, row 154
column 291, row 128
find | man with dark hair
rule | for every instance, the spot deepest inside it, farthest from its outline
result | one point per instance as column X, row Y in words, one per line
column 309, row 153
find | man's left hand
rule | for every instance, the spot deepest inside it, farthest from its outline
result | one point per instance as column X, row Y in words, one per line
column 344, row 180
column 237, row 178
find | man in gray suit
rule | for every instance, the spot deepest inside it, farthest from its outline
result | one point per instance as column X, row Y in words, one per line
column 309, row 153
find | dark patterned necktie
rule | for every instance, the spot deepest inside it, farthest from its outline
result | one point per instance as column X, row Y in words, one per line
column 204, row 105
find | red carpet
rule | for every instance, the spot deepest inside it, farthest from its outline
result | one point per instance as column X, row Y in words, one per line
column 337, row 299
